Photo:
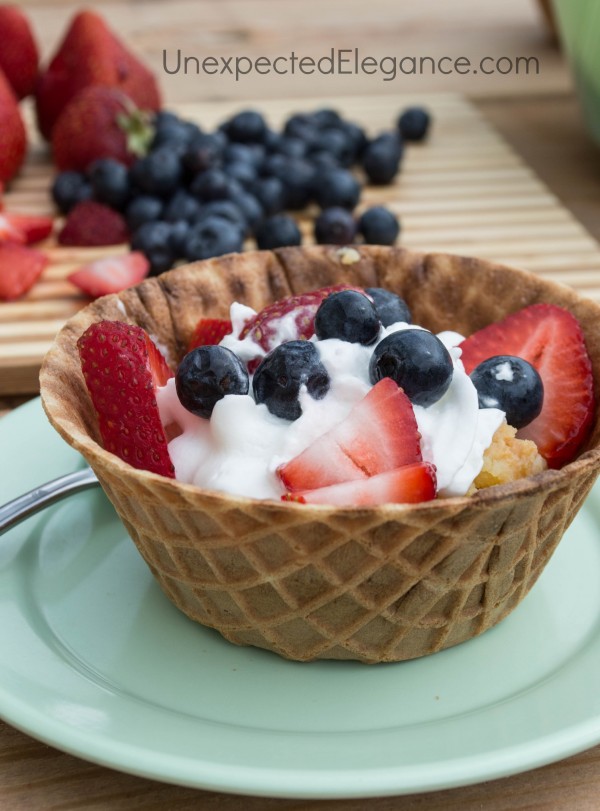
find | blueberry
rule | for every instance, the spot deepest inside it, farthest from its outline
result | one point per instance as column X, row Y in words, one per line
column 349, row 316
column 110, row 182
column 417, row 360
column 153, row 239
column 282, row 373
column 323, row 161
column 512, row 385
column 279, row 231
column 214, row 184
column 251, row 209
column 254, row 154
column 182, row 206
column 390, row 307
column 242, row 171
column 292, row 147
column 213, row 236
column 171, row 131
column 159, row 173
column 297, row 176
column 335, row 226
column 337, row 144
column 206, row 375
column 381, row 160
column 226, row 209
column 337, row 187
column 357, row 137
column 414, row 123
column 378, row 226
column 142, row 209
column 270, row 193
column 326, row 118
column 247, row 126
column 205, row 152
column 70, row 188
column 177, row 238
column 303, row 126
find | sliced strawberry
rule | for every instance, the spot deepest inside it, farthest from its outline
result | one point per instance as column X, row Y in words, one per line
column 379, row 434
column 550, row 338
column 26, row 228
column 111, row 275
column 209, row 331
column 122, row 369
column 264, row 327
column 20, row 268
column 410, row 484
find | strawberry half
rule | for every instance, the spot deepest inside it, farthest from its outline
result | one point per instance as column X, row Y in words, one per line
column 264, row 326
column 378, row 435
column 122, row 369
column 91, row 224
column 209, row 331
column 550, row 338
column 410, row 484
column 111, row 275
column 24, row 228
column 20, row 268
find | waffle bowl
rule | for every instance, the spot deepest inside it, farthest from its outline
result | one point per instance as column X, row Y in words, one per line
column 375, row 584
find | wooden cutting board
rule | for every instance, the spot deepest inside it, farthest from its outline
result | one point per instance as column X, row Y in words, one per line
column 463, row 191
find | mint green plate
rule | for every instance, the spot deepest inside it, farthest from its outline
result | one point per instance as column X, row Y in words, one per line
column 95, row 661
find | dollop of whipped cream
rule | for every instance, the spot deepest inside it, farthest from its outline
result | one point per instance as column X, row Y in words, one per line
column 239, row 449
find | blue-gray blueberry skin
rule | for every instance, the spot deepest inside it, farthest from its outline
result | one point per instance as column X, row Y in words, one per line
column 282, row 373
column 206, row 375
column 349, row 316
column 512, row 385
column 417, row 361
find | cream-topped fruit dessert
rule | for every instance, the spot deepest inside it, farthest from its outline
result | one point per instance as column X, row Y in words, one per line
column 241, row 446
column 334, row 396
column 360, row 555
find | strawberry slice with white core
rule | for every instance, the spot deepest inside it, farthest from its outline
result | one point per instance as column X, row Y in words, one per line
column 410, row 484
column 378, row 435
column 24, row 228
column 111, row 275
column 290, row 319
column 122, row 368
column 550, row 338
column 209, row 331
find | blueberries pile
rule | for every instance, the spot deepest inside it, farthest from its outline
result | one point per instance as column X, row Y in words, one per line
column 415, row 358
column 199, row 194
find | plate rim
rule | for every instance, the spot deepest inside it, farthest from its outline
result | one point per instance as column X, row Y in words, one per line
column 296, row 783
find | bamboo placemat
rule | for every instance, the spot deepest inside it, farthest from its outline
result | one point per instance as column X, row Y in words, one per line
column 463, row 191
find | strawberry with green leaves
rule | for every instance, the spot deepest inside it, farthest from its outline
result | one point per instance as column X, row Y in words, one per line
column 91, row 54
column 100, row 122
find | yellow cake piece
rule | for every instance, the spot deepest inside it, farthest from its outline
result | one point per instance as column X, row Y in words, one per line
column 508, row 459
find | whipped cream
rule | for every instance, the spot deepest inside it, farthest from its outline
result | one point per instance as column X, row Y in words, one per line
column 239, row 449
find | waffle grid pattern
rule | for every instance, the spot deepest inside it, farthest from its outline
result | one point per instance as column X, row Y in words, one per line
column 380, row 584
column 347, row 590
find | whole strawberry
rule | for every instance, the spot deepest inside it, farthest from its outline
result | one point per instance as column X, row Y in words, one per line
column 13, row 138
column 91, row 54
column 19, row 52
column 100, row 122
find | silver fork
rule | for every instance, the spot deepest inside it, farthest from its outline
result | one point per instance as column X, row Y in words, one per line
column 20, row 508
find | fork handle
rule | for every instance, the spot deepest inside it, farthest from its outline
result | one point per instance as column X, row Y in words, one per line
column 20, row 508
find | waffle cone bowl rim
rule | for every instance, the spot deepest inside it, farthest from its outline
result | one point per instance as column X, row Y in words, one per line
column 522, row 501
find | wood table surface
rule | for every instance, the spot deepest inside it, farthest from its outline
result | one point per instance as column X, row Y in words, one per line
column 539, row 115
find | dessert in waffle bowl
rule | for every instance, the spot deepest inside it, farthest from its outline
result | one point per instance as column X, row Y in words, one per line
column 364, row 579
